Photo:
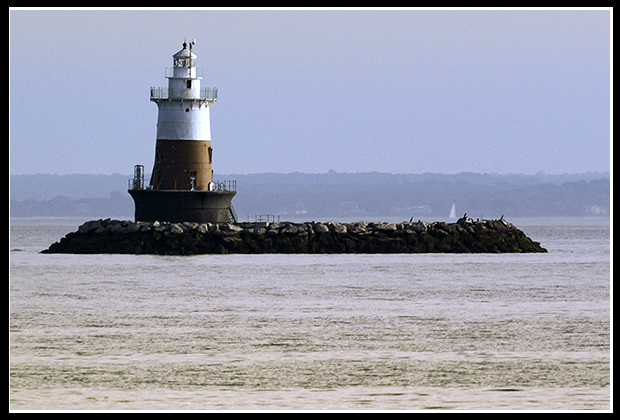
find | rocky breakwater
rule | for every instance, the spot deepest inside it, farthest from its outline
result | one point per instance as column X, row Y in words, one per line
column 189, row 238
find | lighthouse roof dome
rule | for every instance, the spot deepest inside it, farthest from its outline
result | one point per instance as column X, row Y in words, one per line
column 184, row 53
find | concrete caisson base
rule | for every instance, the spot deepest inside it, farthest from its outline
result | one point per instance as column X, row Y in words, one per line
column 182, row 206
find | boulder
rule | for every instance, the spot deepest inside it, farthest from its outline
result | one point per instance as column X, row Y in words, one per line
column 337, row 227
column 385, row 227
column 89, row 226
column 176, row 229
column 132, row 228
column 290, row 228
column 321, row 228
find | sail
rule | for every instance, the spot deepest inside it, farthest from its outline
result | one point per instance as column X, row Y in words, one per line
column 453, row 211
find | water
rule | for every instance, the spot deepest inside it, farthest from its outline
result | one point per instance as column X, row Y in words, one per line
column 406, row 332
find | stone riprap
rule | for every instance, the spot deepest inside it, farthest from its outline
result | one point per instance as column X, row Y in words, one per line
column 190, row 238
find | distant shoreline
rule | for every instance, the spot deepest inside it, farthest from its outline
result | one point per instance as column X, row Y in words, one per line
column 338, row 195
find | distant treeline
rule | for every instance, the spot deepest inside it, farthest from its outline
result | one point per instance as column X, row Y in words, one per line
column 346, row 195
column 117, row 204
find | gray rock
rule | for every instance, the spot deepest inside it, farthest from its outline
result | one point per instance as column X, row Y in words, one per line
column 256, row 231
column 229, row 227
column 89, row 226
column 290, row 228
column 132, row 228
column 235, row 228
column 386, row 227
column 337, row 227
column 115, row 227
column 162, row 227
column 358, row 228
column 144, row 226
column 419, row 226
column 442, row 233
column 321, row 228
column 189, row 226
column 176, row 229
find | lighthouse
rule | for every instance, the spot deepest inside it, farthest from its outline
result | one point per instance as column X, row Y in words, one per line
column 181, row 186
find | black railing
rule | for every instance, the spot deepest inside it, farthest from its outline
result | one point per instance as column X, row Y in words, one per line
column 224, row 186
column 264, row 218
column 208, row 94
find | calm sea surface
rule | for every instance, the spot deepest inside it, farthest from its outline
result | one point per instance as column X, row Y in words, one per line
column 406, row 332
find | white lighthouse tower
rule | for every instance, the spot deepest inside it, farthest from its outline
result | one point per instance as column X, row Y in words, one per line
column 181, row 186
column 183, row 153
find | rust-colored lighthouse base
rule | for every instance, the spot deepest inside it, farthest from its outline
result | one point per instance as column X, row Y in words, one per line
column 183, row 206
column 177, row 162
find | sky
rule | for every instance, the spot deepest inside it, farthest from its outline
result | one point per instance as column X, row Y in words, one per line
column 397, row 91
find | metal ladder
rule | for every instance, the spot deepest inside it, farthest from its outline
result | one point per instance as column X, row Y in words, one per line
column 232, row 214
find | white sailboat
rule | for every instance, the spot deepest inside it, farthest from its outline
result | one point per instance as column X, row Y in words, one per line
column 453, row 211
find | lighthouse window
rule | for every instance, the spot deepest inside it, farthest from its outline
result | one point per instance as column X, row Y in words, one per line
column 186, row 109
column 189, row 84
